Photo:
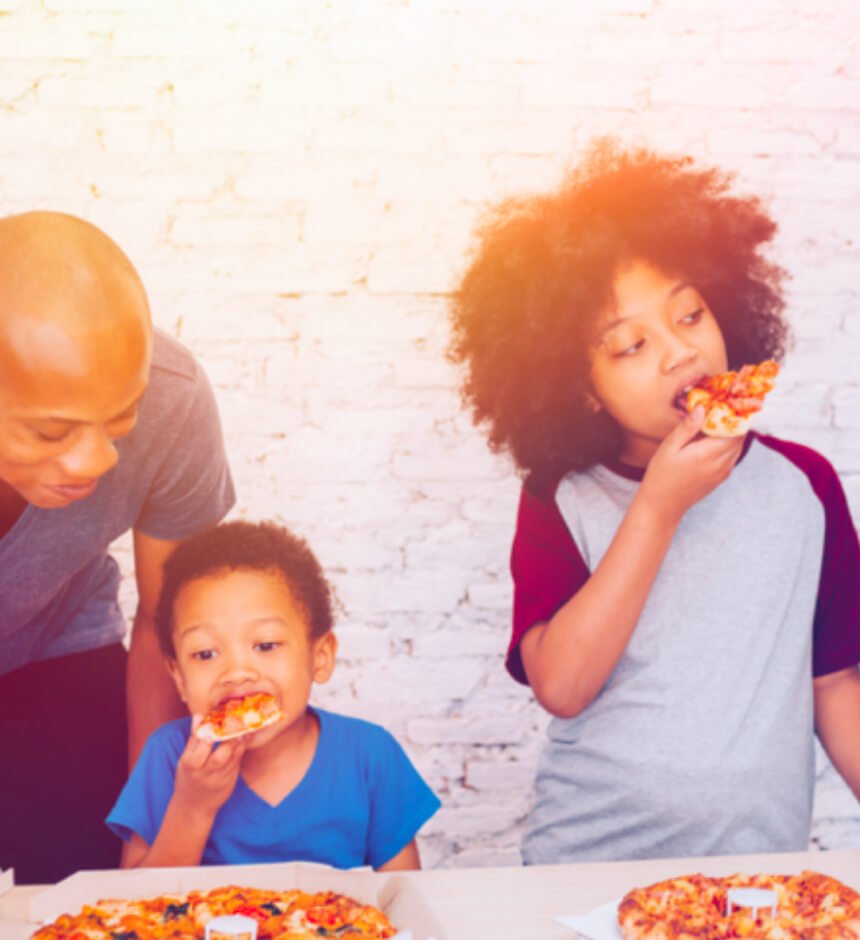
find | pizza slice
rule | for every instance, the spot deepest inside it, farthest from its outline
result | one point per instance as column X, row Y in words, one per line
column 731, row 398
column 237, row 716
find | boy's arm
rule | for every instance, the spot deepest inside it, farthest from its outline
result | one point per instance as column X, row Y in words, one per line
column 180, row 841
column 569, row 658
column 151, row 695
column 407, row 859
column 837, row 722
column 205, row 778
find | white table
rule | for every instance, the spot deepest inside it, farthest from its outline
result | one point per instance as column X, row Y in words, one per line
column 519, row 903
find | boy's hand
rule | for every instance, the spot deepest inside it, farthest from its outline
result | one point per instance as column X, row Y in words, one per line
column 206, row 775
column 685, row 469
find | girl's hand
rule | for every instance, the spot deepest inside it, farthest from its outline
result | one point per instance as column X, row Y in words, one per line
column 206, row 775
column 685, row 468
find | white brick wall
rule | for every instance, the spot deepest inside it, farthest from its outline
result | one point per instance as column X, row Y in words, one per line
column 297, row 183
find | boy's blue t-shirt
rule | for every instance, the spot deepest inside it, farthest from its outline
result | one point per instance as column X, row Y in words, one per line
column 360, row 802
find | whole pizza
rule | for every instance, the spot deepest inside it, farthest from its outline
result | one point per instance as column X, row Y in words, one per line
column 280, row 915
column 808, row 906
column 731, row 398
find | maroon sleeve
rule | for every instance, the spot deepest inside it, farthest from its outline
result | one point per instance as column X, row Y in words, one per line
column 546, row 566
column 836, row 636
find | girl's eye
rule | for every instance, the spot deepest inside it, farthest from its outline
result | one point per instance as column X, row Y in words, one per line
column 632, row 349
column 693, row 317
column 267, row 646
column 203, row 655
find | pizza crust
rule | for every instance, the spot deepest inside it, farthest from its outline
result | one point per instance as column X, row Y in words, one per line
column 722, row 421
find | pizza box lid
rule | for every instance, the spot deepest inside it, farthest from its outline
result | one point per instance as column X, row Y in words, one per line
column 600, row 923
column 397, row 896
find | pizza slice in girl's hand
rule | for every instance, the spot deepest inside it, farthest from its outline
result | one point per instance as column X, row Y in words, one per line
column 731, row 398
column 237, row 716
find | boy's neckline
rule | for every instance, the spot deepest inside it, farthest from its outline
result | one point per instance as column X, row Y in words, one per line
column 629, row 472
column 301, row 783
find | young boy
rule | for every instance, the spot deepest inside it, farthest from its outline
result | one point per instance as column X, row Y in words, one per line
column 246, row 609
column 675, row 594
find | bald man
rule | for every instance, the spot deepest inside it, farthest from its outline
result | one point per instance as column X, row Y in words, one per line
column 106, row 425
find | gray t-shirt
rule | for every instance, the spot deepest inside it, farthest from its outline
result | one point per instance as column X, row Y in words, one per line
column 58, row 584
column 701, row 741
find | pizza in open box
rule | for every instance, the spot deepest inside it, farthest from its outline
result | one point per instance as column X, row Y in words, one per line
column 280, row 915
column 809, row 906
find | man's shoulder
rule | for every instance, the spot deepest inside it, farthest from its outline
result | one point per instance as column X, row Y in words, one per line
column 177, row 387
column 171, row 361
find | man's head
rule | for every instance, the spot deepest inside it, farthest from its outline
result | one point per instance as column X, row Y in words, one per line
column 75, row 348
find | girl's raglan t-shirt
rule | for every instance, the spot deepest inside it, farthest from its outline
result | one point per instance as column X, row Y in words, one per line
column 701, row 741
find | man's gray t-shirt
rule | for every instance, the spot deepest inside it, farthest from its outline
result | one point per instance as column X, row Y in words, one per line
column 58, row 584
column 701, row 741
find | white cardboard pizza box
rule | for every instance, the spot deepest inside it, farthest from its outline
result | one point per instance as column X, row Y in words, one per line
column 7, row 880
column 397, row 897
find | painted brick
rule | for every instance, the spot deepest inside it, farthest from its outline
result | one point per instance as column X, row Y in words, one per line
column 258, row 129
column 492, row 596
column 713, row 87
column 179, row 38
column 846, row 407
column 46, row 39
column 758, row 141
column 444, row 644
column 471, row 729
column 410, row 682
column 358, row 643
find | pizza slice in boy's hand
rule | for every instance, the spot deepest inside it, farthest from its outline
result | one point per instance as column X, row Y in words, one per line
column 730, row 398
column 237, row 716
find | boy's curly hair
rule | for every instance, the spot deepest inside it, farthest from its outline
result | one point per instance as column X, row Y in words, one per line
column 524, row 314
column 246, row 546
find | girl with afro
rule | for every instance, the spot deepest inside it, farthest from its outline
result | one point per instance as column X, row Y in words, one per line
column 686, row 607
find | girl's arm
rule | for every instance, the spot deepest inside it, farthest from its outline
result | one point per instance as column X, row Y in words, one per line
column 569, row 658
column 837, row 722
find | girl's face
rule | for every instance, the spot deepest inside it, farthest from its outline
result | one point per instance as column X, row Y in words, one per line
column 240, row 633
column 656, row 340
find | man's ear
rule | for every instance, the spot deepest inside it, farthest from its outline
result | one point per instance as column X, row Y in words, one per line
column 176, row 675
column 592, row 403
column 324, row 654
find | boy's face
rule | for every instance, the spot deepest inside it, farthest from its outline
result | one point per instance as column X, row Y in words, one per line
column 242, row 632
column 658, row 339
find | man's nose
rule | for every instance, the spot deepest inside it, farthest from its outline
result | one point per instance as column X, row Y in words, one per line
column 93, row 454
